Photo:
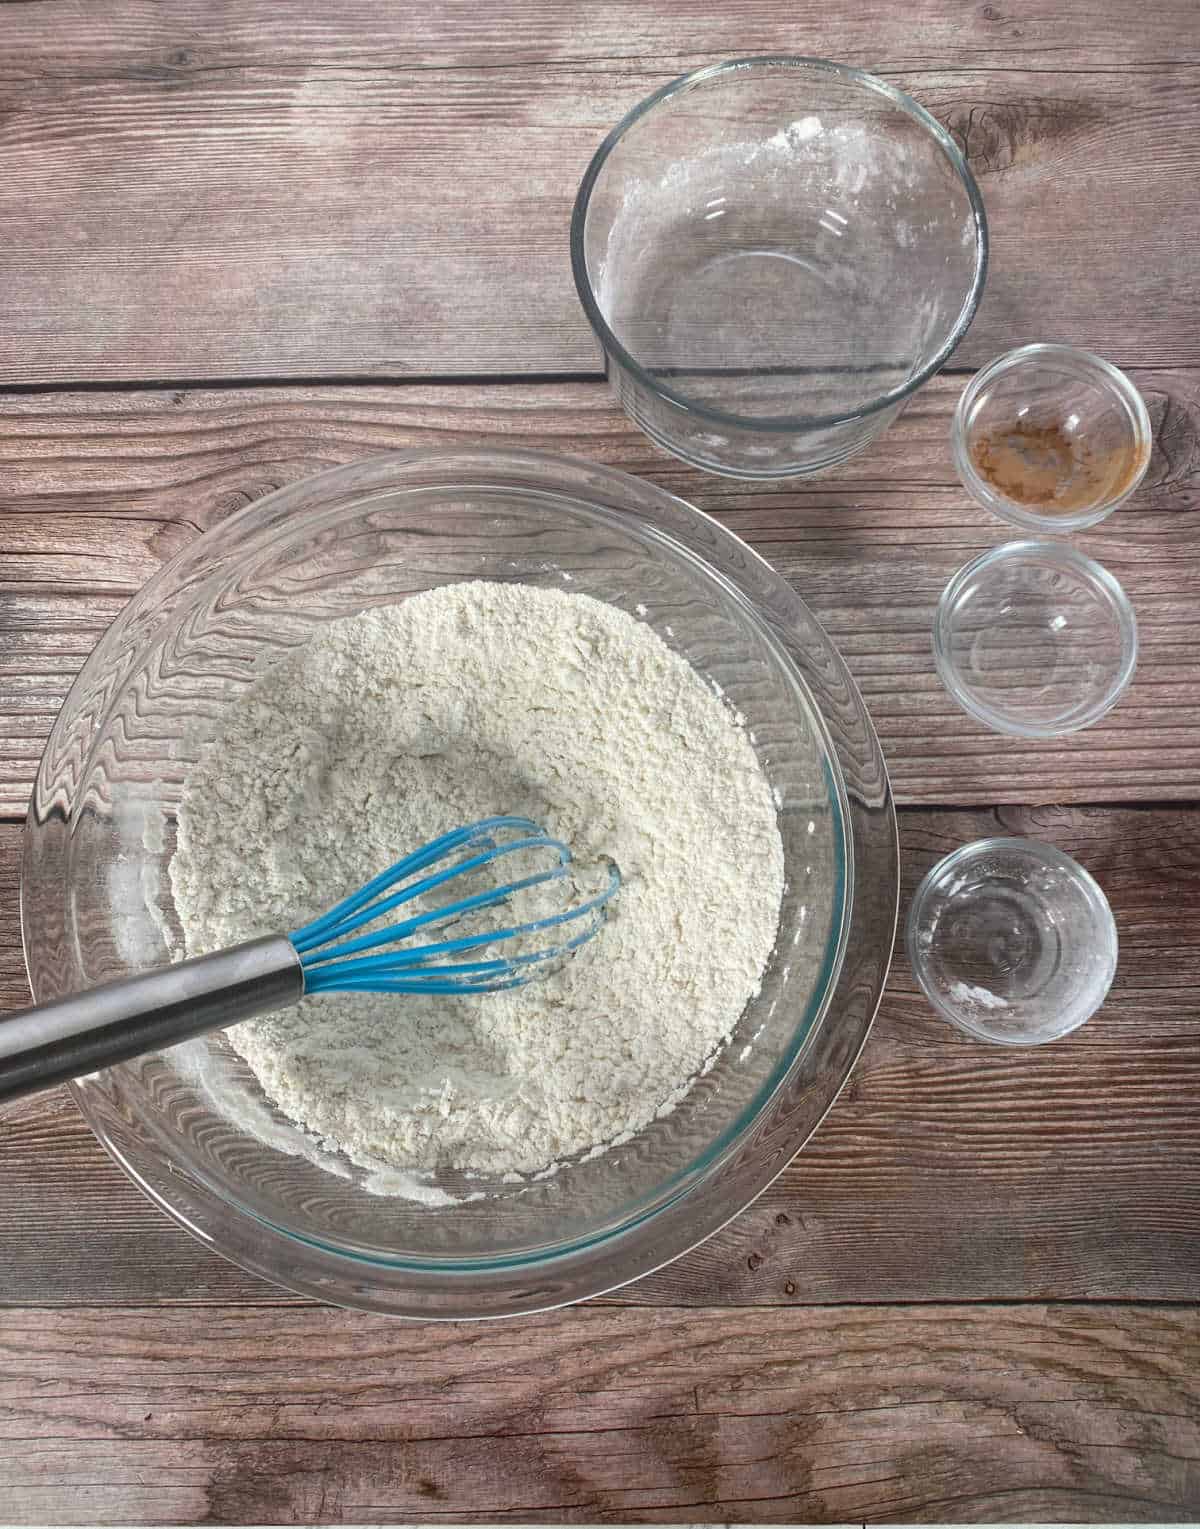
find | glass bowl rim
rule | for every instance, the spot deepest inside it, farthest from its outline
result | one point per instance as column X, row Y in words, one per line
column 1099, row 580
column 264, row 518
column 1120, row 385
column 1048, row 854
column 776, row 62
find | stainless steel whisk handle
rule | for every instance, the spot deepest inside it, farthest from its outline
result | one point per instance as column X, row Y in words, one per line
column 55, row 1042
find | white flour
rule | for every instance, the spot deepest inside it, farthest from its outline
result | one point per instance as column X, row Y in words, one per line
column 396, row 725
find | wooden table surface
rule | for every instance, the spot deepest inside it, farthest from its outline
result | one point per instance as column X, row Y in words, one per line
column 243, row 241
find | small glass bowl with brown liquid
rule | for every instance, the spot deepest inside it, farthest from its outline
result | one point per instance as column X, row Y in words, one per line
column 1051, row 438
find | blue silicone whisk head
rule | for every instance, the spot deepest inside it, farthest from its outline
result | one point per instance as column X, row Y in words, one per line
column 400, row 958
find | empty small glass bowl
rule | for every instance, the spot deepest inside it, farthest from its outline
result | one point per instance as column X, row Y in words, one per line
column 1051, row 438
column 1012, row 941
column 1034, row 638
column 775, row 253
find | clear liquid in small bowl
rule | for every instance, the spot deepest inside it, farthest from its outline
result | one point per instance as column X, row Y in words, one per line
column 1012, row 941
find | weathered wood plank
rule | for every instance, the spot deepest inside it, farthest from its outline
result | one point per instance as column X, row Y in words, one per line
column 947, row 1170
column 386, row 191
column 98, row 490
column 270, row 1415
column 279, row 32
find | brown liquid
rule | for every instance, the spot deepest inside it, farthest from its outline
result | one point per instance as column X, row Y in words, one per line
column 1043, row 467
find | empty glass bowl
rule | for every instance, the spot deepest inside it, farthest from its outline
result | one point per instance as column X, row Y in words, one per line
column 1012, row 941
column 1051, row 438
column 775, row 253
column 1034, row 638
column 192, row 1126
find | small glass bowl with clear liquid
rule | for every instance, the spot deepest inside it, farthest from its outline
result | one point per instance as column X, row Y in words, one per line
column 1012, row 941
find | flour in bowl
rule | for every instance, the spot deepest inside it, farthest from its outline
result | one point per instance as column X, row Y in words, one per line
column 395, row 725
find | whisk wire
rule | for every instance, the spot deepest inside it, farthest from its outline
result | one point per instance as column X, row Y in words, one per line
column 419, row 969
column 395, row 962
column 451, row 979
column 444, row 915
column 330, row 924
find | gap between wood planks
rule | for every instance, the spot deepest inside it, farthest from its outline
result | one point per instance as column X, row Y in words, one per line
column 348, row 380
column 228, row 384
column 615, row 1303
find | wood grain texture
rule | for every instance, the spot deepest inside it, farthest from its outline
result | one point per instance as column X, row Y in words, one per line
column 191, row 192
column 270, row 1416
column 97, row 491
column 947, row 1170
column 282, row 190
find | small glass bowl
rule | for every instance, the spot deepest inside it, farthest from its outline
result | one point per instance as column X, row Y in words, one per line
column 1034, row 638
column 1012, row 941
column 1051, row 438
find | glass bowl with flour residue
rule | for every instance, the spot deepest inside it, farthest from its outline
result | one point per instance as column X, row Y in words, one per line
column 330, row 1204
column 775, row 254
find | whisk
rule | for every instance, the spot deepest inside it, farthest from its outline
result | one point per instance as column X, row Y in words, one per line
column 337, row 952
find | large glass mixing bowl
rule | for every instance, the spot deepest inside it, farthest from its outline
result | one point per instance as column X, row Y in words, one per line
column 191, row 1125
